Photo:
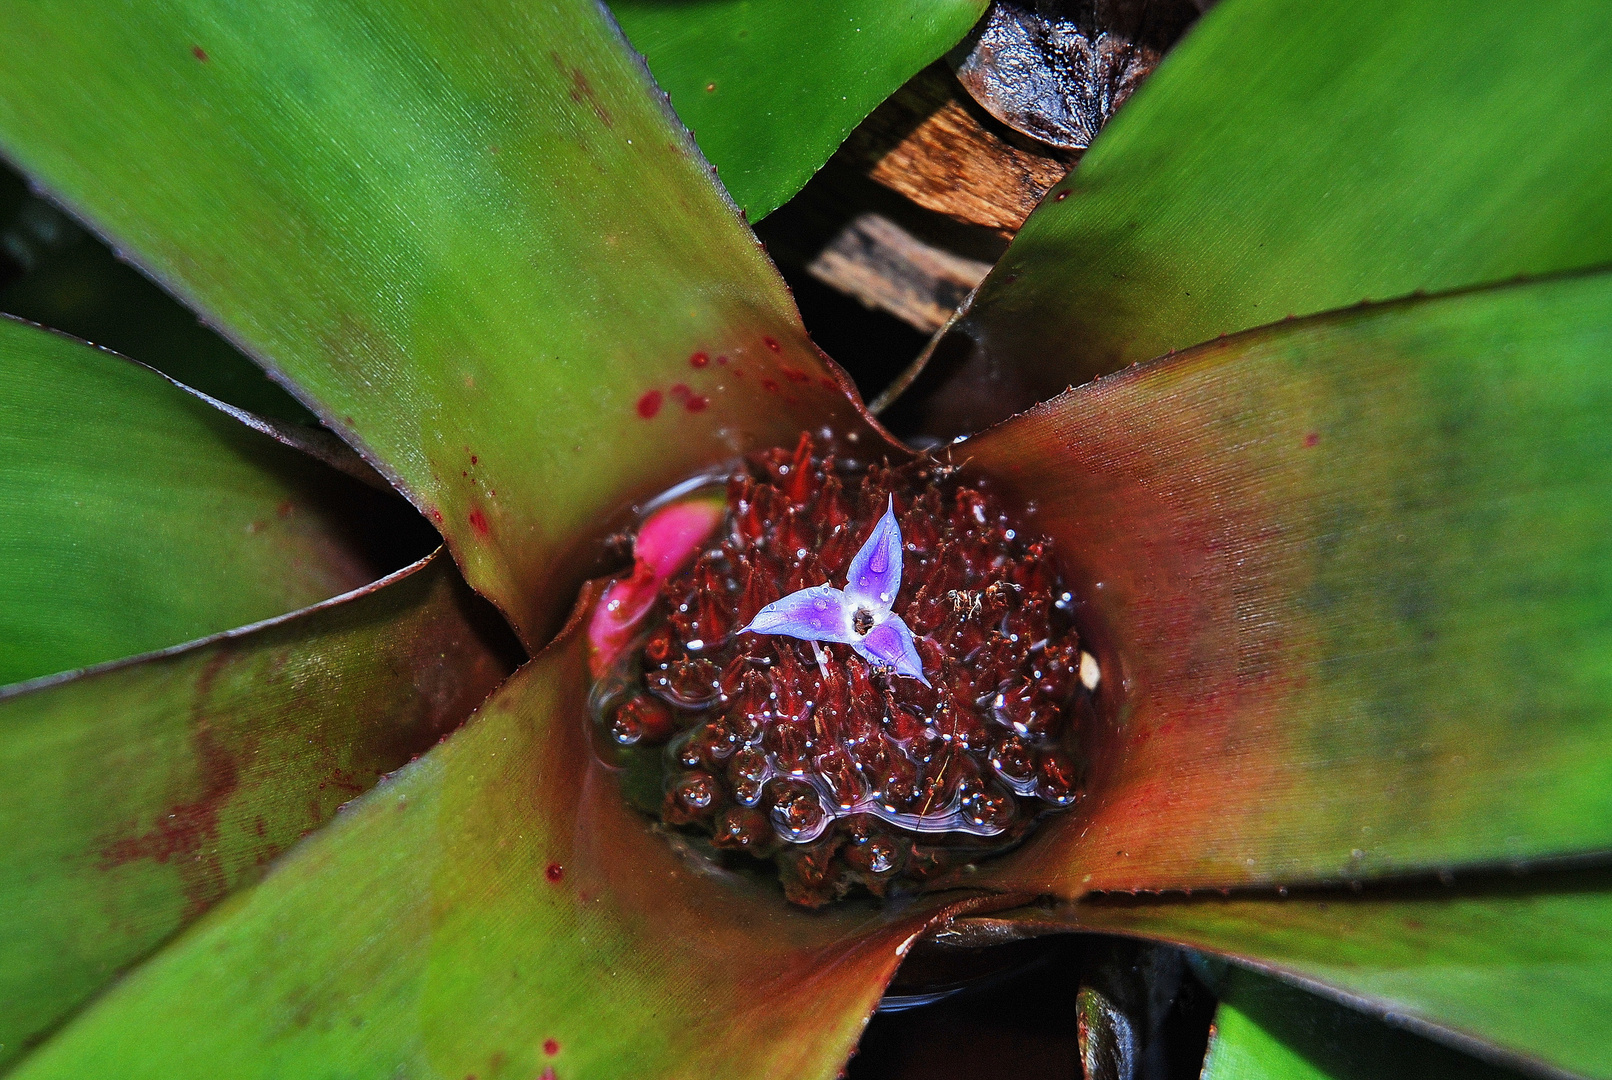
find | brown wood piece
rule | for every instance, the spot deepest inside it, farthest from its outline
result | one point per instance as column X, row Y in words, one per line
column 932, row 143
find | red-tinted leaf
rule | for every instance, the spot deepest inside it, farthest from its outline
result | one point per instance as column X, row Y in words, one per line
column 139, row 794
column 1348, row 581
column 497, row 909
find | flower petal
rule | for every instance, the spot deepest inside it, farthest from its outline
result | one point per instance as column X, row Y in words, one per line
column 470, row 234
column 495, row 909
column 820, row 613
column 874, row 577
column 890, row 644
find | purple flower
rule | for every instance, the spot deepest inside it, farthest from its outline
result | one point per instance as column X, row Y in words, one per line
column 858, row 616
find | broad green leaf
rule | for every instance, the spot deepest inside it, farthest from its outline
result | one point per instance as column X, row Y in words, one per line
column 140, row 794
column 1348, row 581
column 1523, row 966
column 771, row 88
column 135, row 516
column 468, row 231
column 1266, row 1031
column 1290, row 158
column 494, row 909
column 85, row 291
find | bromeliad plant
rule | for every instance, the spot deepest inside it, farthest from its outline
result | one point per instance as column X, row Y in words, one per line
column 1345, row 576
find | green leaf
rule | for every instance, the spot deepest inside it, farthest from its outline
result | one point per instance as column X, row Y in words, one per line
column 771, row 88
column 1266, row 1031
column 86, row 292
column 140, row 794
column 493, row 909
column 1523, row 966
column 1347, row 581
column 1290, row 158
column 135, row 516
column 469, row 232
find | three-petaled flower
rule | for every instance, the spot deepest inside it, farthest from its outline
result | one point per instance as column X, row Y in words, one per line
column 860, row 615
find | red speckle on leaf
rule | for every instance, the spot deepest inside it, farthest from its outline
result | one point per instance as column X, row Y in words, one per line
column 286, row 509
column 796, row 375
column 551, row 1047
column 772, row 343
column 436, row 515
column 828, row 383
column 582, row 90
column 474, row 460
column 721, row 359
column 699, row 360
column 770, row 385
column 680, row 392
column 199, row 53
column 554, row 871
column 549, row 1074
column 478, row 521
column 649, row 404
column 1312, row 438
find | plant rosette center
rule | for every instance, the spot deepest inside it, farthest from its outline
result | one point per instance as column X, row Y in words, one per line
column 868, row 676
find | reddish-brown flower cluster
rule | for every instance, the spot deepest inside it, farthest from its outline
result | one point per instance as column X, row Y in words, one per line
column 843, row 773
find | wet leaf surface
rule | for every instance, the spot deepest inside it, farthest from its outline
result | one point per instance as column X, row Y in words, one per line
column 496, row 909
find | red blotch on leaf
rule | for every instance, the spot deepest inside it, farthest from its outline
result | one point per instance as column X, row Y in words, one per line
column 187, row 834
column 796, row 375
column 1312, row 438
column 770, row 384
column 551, row 1047
column 772, row 343
column 554, row 871
column 689, row 399
column 649, row 404
column 199, row 53
column 699, row 360
column 478, row 521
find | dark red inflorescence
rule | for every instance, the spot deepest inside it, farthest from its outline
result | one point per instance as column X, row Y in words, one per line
column 842, row 773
